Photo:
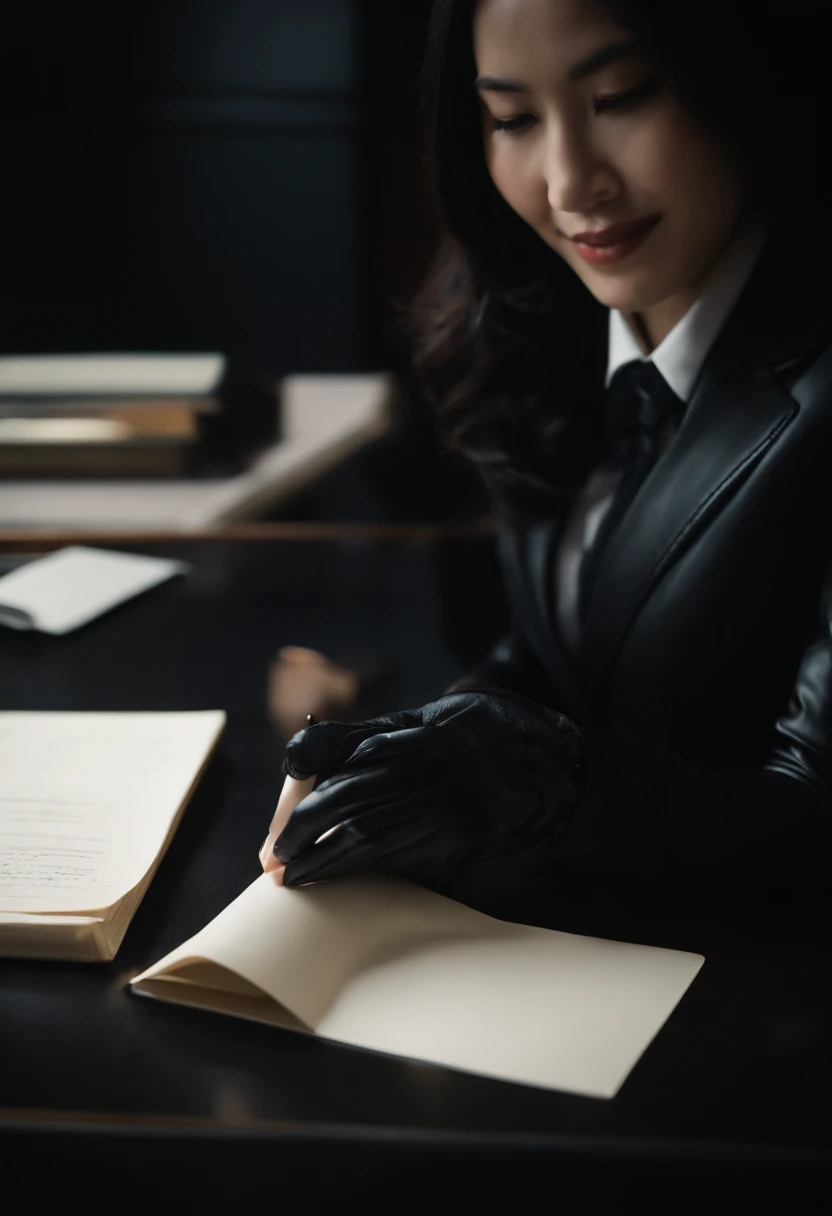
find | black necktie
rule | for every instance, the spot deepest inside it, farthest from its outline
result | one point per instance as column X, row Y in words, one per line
column 638, row 404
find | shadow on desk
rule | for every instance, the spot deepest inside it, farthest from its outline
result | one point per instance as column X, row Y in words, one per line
column 138, row 1170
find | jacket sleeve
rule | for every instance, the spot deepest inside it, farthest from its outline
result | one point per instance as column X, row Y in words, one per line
column 655, row 815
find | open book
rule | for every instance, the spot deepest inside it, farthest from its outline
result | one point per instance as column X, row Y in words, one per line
column 88, row 805
column 382, row 963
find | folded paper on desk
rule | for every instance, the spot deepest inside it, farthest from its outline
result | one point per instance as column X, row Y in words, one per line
column 381, row 963
column 88, row 805
column 72, row 586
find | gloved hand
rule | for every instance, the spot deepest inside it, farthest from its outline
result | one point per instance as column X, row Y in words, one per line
column 422, row 792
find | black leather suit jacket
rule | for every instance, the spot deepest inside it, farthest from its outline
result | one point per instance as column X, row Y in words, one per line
column 703, row 679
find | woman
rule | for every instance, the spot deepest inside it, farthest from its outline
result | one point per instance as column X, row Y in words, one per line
column 630, row 331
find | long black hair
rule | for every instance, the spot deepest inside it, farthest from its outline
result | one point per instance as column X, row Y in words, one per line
column 508, row 342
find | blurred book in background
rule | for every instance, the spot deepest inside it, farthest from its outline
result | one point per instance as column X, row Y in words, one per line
column 136, row 415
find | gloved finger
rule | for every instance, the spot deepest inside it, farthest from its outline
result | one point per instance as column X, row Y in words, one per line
column 325, row 747
column 421, row 861
column 341, row 798
column 386, row 744
column 354, row 846
column 396, row 857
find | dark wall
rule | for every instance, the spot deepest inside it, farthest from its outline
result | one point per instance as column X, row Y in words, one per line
column 237, row 175
column 403, row 225
column 188, row 174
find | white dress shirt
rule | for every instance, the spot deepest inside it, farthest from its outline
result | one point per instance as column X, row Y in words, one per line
column 679, row 358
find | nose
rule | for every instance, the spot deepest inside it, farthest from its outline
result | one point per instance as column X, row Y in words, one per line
column 578, row 176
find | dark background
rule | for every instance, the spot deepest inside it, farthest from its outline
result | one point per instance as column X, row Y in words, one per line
column 237, row 175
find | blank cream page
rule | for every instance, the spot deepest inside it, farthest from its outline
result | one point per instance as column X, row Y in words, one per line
column 514, row 1002
column 87, row 801
column 299, row 946
column 385, row 964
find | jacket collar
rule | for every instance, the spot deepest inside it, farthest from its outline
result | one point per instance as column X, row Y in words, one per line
column 738, row 411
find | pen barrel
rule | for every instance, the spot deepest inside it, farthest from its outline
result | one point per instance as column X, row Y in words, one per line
column 294, row 791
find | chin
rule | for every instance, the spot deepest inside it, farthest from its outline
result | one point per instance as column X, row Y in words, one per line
column 626, row 291
column 630, row 288
column 620, row 296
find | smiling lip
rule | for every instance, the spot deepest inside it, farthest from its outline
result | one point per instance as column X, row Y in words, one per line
column 616, row 234
column 613, row 244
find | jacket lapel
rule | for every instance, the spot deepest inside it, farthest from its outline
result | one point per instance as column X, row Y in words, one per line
column 736, row 415
column 528, row 556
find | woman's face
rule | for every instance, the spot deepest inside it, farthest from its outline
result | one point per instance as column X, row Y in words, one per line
column 582, row 133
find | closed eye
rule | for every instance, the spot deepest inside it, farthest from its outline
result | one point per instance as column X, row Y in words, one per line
column 609, row 103
column 513, row 125
column 623, row 101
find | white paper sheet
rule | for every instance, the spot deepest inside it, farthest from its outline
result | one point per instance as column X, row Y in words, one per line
column 384, row 964
column 87, row 801
column 72, row 586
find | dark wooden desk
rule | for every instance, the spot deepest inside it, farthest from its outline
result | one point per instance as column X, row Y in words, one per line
column 104, row 1091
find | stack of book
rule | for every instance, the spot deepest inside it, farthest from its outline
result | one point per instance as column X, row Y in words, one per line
column 138, row 415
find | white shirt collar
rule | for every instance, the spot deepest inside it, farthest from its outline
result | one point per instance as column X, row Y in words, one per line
column 679, row 357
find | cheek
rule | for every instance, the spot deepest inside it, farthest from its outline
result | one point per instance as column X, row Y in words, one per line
column 652, row 163
column 679, row 164
column 514, row 176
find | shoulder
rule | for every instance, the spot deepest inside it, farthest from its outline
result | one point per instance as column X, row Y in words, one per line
column 812, row 377
column 784, row 318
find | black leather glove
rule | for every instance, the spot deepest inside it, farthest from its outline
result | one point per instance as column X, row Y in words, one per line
column 472, row 775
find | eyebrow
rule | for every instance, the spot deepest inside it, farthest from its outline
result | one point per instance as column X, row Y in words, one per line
column 602, row 58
